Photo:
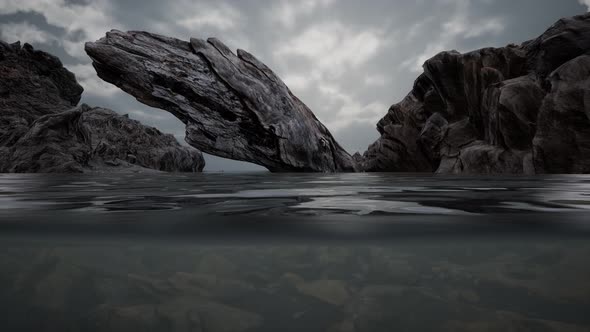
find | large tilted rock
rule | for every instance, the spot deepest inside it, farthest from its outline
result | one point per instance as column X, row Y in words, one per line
column 516, row 109
column 233, row 105
column 41, row 130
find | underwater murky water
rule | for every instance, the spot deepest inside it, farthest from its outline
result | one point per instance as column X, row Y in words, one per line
column 294, row 252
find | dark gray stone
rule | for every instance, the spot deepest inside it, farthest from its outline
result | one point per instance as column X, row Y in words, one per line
column 562, row 141
column 41, row 130
column 233, row 106
column 515, row 109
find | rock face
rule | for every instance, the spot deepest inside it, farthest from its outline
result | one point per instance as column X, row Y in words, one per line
column 117, row 139
column 233, row 106
column 33, row 84
column 42, row 130
column 516, row 109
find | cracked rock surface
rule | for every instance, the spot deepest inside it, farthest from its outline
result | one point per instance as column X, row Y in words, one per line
column 42, row 130
column 519, row 109
column 233, row 105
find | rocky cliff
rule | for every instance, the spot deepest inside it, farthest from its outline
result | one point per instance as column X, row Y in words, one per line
column 233, row 106
column 42, row 130
column 516, row 109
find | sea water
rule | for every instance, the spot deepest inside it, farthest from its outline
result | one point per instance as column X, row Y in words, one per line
column 294, row 252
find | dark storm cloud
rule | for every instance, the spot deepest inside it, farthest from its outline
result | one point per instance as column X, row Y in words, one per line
column 348, row 60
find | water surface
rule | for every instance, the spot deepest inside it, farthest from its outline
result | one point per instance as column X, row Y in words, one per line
column 294, row 252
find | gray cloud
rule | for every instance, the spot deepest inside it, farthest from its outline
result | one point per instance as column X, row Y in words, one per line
column 348, row 60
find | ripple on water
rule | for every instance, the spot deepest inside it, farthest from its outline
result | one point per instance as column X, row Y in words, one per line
column 363, row 206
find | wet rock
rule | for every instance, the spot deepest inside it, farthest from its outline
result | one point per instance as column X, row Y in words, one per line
column 516, row 109
column 466, row 295
column 210, row 286
column 508, row 321
column 217, row 265
column 344, row 326
column 51, row 281
column 330, row 291
column 233, row 106
column 178, row 314
column 211, row 316
column 292, row 278
column 41, row 130
column 141, row 317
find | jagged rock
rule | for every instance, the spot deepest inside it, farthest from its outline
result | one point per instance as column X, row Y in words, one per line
column 54, row 143
column 562, row 141
column 233, row 106
column 115, row 137
column 33, row 84
column 516, row 109
column 97, row 139
column 41, row 130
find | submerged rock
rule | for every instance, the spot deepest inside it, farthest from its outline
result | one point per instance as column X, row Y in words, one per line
column 515, row 109
column 233, row 106
column 42, row 130
column 180, row 314
column 330, row 291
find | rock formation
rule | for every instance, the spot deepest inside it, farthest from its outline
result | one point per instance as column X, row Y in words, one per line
column 42, row 130
column 233, row 106
column 516, row 109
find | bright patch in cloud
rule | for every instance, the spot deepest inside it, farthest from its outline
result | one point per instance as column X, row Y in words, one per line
column 345, row 109
column 92, row 84
column 332, row 47
column 286, row 13
column 195, row 15
column 585, row 2
column 296, row 82
column 458, row 27
column 87, row 21
column 377, row 80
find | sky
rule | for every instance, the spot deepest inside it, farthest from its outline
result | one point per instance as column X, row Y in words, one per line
column 348, row 60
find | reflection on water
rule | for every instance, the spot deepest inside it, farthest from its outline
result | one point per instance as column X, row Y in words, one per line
column 294, row 252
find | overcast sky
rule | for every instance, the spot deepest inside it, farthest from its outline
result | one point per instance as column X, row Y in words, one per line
column 348, row 60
